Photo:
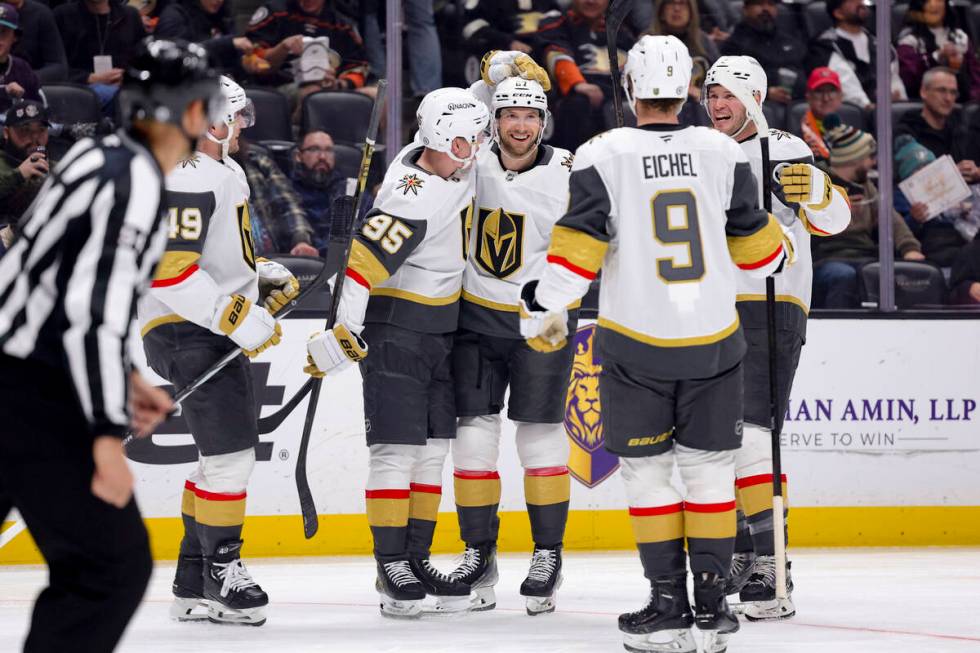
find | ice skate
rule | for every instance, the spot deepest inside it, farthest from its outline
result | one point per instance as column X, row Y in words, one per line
column 233, row 597
column 663, row 625
column 188, row 588
column 400, row 591
column 540, row 588
column 478, row 569
column 712, row 615
column 741, row 570
column 758, row 597
column 451, row 594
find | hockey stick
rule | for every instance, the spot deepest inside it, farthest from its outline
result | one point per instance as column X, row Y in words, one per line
column 616, row 13
column 311, row 521
column 755, row 113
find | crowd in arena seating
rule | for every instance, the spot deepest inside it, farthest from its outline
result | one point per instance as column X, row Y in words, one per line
column 301, row 60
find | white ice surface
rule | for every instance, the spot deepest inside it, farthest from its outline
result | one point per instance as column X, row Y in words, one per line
column 848, row 601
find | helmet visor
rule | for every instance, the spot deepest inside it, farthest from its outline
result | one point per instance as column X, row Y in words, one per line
column 246, row 116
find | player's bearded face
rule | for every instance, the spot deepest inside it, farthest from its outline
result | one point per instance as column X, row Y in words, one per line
column 726, row 112
column 518, row 130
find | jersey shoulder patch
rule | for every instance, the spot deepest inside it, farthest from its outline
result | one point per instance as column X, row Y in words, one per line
column 784, row 146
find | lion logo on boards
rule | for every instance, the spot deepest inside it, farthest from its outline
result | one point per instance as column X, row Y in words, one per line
column 588, row 462
column 500, row 241
column 410, row 183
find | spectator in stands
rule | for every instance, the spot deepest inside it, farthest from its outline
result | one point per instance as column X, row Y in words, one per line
column 940, row 126
column 932, row 37
column 849, row 50
column 23, row 163
column 964, row 281
column 942, row 236
column 574, row 51
column 782, row 54
column 824, row 98
column 277, row 28
column 318, row 184
column 279, row 225
column 206, row 22
column 837, row 259
column 105, row 29
column 39, row 41
column 17, row 80
column 506, row 24
column 718, row 18
column 680, row 18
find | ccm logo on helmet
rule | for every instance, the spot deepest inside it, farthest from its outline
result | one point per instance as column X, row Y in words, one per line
column 454, row 106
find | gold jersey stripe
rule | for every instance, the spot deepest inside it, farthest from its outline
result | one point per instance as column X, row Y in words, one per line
column 758, row 498
column 709, row 525
column 669, row 342
column 365, row 263
column 789, row 299
column 476, row 492
column 387, row 512
column 578, row 248
column 658, row 528
column 219, row 513
column 424, row 505
column 173, row 318
column 504, row 308
column 752, row 249
column 172, row 264
column 187, row 503
column 407, row 295
column 547, row 490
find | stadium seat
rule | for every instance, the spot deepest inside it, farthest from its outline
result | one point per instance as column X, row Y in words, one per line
column 71, row 103
column 973, row 20
column 815, row 19
column 306, row 269
column 348, row 159
column 272, row 119
column 342, row 114
column 849, row 114
column 898, row 18
column 282, row 153
column 916, row 284
column 899, row 109
column 775, row 114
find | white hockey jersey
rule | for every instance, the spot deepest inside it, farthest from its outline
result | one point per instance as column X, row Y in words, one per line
column 410, row 251
column 512, row 222
column 793, row 285
column 668, row 212
column 210, row 253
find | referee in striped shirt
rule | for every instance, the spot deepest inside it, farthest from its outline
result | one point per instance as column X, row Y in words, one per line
column 68, row 291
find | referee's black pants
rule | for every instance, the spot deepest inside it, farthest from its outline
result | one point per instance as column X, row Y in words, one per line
column 98, row 555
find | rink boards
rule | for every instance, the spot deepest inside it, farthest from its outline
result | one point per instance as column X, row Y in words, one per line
column 881, row 446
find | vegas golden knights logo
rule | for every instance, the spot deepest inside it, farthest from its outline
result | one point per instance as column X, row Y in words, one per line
column 500, row 241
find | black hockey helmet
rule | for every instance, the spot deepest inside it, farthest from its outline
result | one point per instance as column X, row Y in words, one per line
column 163, row 78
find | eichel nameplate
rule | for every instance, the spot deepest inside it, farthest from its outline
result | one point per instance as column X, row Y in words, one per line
column 500, row 241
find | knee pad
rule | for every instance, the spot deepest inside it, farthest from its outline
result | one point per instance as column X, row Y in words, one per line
column 477, row 444
column 648, row 480
column 429, row 462
column 755, row 455
column 542, row 445
column 226, row 473
column 708, row 476
column 390, row 465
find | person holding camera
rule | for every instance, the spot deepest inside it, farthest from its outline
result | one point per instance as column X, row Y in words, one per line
column 24, row 162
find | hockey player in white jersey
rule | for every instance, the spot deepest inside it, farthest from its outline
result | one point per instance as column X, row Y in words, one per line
column 204, row 302
column 805, row 202
column 669, row 213
column 402, row 294
column 521, row 191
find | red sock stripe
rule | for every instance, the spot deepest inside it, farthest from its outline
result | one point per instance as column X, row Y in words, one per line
column 656, row 510
column 476, row 475
column 758, row 479
column 428, row 489
column 709, row 507
column 762, row 262
column 386, row 494
column 547, row 471
column 188, row 485
column 218, row 496
column 173, row 281
column 568, row 265
column 353, row 274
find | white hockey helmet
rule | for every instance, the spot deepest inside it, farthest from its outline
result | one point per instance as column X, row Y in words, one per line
column 235, row 107
column 520, row 92
column 743, row 68
column 449, row 113
column 657, row 68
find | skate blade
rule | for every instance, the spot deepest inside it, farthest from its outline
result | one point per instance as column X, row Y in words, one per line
column 394, row 609
column 446, row 605
column 483, row 599
column 536, row 605
column 715, row 641
column 769, row 610
column 219, row 614
column 189, row 609
column 677, row 640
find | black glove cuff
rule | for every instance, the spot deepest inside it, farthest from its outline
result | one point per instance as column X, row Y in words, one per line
column 527, row 295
